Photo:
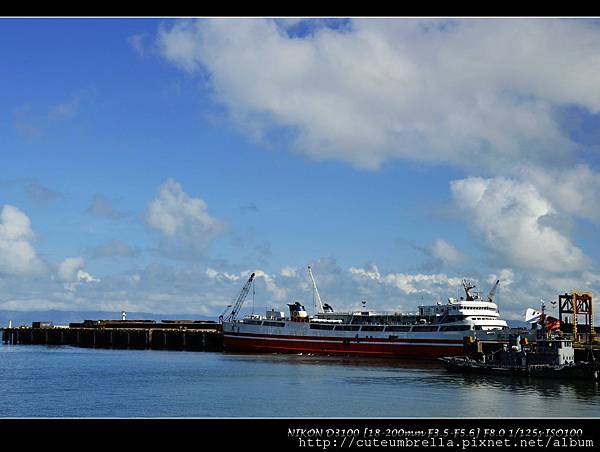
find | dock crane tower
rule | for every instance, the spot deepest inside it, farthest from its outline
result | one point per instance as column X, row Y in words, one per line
column 240, row 299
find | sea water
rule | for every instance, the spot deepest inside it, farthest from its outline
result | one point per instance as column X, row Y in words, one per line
column 65, row 381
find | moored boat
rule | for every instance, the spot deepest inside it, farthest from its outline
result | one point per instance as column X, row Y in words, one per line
column 547, row 358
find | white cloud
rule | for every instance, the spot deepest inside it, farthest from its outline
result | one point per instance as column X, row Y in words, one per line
column 270, row 281
column 212, row 273
column 278, row 293
column 70, row 272
column 83, row 276
column 406, row 282
column 575, row 191
column 183, row 221
column 466, row 92
column 289, row 272
column 505, row 275
column 17, row 254
column 509, row 215
column 372, row 273
column 412, row 283
column 68, row 268
column 204, row 291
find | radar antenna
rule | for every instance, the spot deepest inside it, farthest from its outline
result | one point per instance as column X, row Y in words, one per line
column 468, row 285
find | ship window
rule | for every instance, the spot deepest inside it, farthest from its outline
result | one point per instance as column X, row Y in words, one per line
column 371, row 328
column 252, row 322
column 347, row 328
column 316, row 326
column 424, row 328
column 397, row 328
column 455, row 328
column 273, row 324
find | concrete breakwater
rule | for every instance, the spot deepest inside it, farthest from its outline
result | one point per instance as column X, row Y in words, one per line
column 166, row 335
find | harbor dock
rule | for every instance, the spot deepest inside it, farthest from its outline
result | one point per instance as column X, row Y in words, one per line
column 166, row 335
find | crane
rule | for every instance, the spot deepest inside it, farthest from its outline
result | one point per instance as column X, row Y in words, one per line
column 240, row 299
column 316, row 297
column 492, row 294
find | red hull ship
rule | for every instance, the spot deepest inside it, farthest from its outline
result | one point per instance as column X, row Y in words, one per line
column 431, row 332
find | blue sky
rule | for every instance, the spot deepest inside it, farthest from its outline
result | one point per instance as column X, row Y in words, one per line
column 151, row 164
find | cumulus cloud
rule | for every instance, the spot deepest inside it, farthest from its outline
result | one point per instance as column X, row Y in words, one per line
column 184, row 222
column 414, row 283
column 289, row 272
column 270, row 281
column 574, row 191
column 212, row 273
column 205, row 291
column 17, row 254
column 408, row 283
column 69, row 267
column 509, row 214
column 70, row 272
column 485, row 95
column 370, row 273
column 505, row 275
column 466, row 92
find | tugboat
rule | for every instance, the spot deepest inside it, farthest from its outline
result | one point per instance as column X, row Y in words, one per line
column 549, row 357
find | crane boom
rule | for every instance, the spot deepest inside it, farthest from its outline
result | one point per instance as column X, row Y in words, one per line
column 317, row 297
column 492, row 293
column 240, row 299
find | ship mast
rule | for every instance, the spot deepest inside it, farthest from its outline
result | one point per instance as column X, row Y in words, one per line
column 316, row 297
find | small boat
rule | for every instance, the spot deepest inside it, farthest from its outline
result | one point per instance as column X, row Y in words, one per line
column 548, row 358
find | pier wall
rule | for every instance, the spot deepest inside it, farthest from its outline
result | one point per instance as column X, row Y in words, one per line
column 129, row 338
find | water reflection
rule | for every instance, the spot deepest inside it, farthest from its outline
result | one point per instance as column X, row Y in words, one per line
column 336, row 360
column 431, row 374
column 544, row 387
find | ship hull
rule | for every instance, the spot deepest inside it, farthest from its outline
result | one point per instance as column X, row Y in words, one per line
column 332, row 345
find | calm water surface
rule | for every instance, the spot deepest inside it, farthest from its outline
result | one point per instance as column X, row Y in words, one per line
column 64, row 381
